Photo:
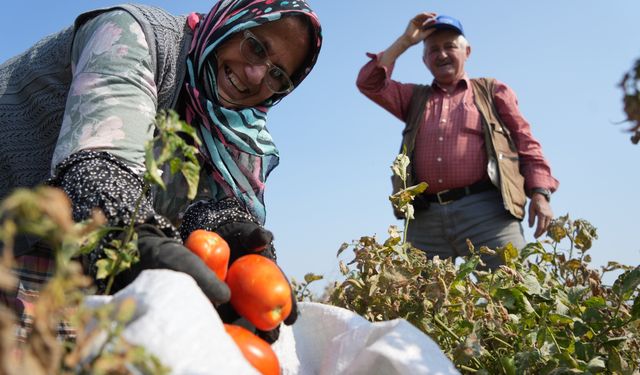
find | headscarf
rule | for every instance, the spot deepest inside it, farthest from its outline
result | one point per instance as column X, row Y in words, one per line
column 236, row 144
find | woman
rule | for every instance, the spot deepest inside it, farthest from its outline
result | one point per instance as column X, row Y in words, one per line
column 78, row 108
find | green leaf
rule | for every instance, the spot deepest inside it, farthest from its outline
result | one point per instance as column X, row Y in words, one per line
column 399, row 166
column 573, row 264
column 531, row 284
column 560, row 319
column 531, row 249
column 343, row 268
column 576, row 293
column 104, row 268
column 191, row 173
column 152, row 173
column 92, row 240
column 627, row 283
column 509, row 365
column 311, row 277
column 467, row 267
column 508, row 253
column 417, row 189
column 595, row 302
column 613, row 341
column 596, row 364
column 635, row 309
column 342, row 248
column 580, row 329
column 126, row 309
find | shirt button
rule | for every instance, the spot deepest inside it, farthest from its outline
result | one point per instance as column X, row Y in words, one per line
column 439, row 180
column 441, row 139
column 439, row 159
column 443, row 120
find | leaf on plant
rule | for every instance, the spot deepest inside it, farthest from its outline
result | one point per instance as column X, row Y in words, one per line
column 508, row 253
column 152, row 173
column 627, row 283
column 573, row 264
column 595, row 302
column 92, row 239
column 560, row 319
column 343, row 268
column 635, row 309
column 531, row 284
column 104, row 268
column 467, row 267
column 342, row 248
column 417, row 189
column 399, row 166
column 191, row 173
column 126, row 309
column 531, row 248
column 311, row 277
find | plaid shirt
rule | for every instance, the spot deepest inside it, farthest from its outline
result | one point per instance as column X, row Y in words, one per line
column 449, row 149
column 33, row 272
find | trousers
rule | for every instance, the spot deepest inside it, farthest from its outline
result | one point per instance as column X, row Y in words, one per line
column 442, row 230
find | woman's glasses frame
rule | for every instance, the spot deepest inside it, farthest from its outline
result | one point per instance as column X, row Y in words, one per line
column 255, row 52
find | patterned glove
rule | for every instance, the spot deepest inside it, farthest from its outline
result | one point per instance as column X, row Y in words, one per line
column 157, row 251
column 244, row 236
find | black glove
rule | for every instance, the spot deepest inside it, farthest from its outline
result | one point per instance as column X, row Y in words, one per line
column 157, row 251
column 250, row 238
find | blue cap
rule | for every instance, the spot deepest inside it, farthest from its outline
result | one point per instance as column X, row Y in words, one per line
column 447, row 22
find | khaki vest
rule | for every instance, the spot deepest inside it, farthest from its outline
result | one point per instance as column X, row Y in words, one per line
column 503, row 166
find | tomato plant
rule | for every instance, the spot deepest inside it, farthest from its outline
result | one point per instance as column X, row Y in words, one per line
column 259, row 291
column 257, row 351
column 212, row 249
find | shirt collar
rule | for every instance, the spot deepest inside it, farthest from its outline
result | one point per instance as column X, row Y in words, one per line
column 463, row 84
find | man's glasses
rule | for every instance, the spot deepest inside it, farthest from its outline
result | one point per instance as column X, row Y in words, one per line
column 255, row 52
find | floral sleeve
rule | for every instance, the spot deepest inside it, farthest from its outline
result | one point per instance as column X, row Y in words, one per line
column 113, row 98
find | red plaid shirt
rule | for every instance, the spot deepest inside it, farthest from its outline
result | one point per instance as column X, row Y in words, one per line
column 449, row 148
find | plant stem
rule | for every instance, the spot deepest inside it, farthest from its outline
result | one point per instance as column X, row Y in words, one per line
column 466, row 368
column 406, row 219
column 127, row 239
column 502, row 341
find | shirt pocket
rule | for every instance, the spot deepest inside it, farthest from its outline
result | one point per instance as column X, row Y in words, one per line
column 470, row 117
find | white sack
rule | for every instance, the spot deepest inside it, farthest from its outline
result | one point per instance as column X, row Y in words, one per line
column 176, row 322
column 331, row 340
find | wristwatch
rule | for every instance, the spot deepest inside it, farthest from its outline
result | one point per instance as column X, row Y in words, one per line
column 545, row 192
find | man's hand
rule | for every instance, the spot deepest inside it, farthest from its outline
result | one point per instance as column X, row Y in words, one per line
column 415, row 33
column 539, row 208
column 417, row 30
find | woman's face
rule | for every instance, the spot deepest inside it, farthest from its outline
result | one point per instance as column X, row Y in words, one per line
column 242, row 83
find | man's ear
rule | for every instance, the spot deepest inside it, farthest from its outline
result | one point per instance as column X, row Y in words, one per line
column 468, row 51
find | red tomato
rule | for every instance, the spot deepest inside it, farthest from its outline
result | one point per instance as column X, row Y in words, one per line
column 212, row 249
column 257, row 351
column 259, row 291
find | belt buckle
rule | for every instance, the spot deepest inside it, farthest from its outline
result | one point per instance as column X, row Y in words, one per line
column 443, row 202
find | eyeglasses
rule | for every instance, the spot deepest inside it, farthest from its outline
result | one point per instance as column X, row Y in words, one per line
column 256, row 53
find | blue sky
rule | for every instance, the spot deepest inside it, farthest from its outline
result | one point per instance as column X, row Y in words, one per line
column 564, row 59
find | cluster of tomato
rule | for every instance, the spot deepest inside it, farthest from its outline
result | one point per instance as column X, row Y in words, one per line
column 259, row 292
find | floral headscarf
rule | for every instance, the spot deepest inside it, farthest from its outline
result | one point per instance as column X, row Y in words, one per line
column 235, row 142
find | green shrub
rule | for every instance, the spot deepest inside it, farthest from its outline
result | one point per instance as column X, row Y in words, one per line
column 544, row 312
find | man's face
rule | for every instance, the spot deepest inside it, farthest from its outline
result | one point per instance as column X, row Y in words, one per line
column 445, row 54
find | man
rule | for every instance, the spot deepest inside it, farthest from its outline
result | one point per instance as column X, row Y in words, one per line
column 467, row 140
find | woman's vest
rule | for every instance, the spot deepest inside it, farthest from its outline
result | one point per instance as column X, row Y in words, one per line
column 34, row 87
column 502, row 154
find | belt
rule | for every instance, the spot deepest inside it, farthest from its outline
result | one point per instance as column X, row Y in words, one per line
column 448, row 196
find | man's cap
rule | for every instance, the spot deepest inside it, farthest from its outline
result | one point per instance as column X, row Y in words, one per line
column 448, row 22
